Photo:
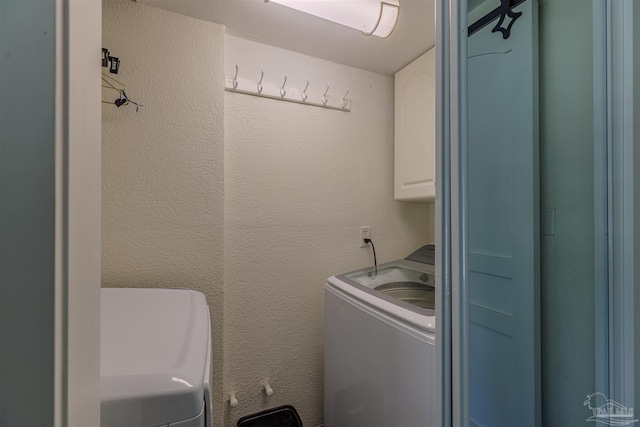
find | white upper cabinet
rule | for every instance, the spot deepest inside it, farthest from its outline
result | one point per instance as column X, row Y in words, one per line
column 415, row 130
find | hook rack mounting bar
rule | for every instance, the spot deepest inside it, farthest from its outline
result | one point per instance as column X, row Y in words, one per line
column 278, row 92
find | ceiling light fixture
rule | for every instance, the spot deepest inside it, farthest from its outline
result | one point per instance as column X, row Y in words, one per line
column 372, row 17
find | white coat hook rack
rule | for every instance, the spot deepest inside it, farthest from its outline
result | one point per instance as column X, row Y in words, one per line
column 284, row 92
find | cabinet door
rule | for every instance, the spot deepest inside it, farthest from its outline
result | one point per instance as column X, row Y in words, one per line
column 415, row 149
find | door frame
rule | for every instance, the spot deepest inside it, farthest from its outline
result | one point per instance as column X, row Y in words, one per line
column 602, row 168
column 78, row 250
column 444, row 355
column 624, row 193
column 451, row 93
column 459, row 235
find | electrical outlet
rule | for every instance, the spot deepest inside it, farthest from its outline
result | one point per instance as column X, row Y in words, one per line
column 365, row 233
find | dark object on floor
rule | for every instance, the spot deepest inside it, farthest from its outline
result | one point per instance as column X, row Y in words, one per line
column 282, row 416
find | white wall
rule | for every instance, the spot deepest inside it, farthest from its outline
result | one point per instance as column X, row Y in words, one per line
column 299, row 181
column 162, row 188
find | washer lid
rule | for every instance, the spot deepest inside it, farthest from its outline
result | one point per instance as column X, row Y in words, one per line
column 154, row 345
column 393, row 284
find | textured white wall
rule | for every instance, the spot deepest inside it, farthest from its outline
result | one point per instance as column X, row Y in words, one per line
column 299, row 181
column 162, row 190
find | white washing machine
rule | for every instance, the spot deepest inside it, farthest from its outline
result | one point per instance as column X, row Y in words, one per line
column 379, row 366
column 155, row 358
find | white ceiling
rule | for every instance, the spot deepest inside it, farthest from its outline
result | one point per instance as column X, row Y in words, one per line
column 276, row 25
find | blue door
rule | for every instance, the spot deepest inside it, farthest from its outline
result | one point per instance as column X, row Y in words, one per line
column 499, row 178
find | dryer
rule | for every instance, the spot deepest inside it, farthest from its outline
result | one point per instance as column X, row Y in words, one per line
column 380, row 345
column 155, row 358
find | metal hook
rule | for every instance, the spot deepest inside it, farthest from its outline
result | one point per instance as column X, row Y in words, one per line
column 324, row 97
column 343, row 103
column 260, row 82
column 283, row 92
column 304, row 92
column 124, row 100
column 235, row 78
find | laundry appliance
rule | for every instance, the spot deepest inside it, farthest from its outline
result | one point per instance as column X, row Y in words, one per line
column 380, row 345
column 155, row 358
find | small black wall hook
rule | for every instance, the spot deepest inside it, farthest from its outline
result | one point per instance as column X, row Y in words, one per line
column 109, row 61
column 105, row 57
column 115, row 65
